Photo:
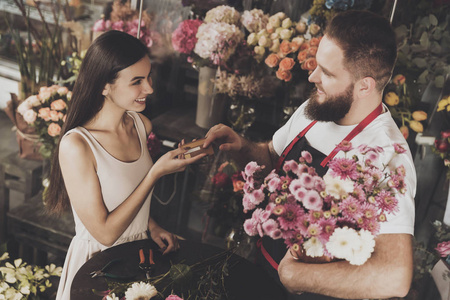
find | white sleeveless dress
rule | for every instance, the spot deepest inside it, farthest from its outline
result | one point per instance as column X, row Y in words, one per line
column 117, row 180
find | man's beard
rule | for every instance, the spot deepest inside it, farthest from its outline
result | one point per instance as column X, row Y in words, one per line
column 332, row 109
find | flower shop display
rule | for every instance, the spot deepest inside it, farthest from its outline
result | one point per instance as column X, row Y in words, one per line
column 123, row 18
column 401, row 105
column 323, row 10
column 46, row 112
column 337, row 216
column 19, row 280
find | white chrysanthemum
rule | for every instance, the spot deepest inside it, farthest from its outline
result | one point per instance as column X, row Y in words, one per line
column 367, row 245
column 343, row 242
column 337, row 187
column 140, row 291
column 313, row 247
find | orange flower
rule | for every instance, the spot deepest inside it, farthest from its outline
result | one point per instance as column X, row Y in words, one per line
column 399, row 79
column 310, row 64
column 304, row 46
column 285, row 47
column 284, row 75
column 272, row 60
column 314, row 42
column 312, row 51
column 44, row 113
column 287, row 64
column 405, row 131
column 54, row 129
column 301, row 57
column 58, row 104
column 416, row 126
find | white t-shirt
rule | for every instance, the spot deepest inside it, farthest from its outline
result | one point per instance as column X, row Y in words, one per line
column 382, row 132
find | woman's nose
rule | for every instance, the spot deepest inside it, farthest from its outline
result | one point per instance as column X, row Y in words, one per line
column 148, row 88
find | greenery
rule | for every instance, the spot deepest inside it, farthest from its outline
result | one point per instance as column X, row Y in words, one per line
column 18, row 280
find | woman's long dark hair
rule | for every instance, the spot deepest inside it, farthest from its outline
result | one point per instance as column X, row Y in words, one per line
column 110, row 53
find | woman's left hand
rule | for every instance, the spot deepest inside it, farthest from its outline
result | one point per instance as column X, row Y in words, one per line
column 166, row 241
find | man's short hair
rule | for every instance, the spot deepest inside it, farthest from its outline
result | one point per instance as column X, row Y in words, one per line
column 368, row 42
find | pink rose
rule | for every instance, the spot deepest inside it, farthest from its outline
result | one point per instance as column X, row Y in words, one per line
column 443, row 248
column 58, row 104
column 44, row 113
column 54, row 116
column 54, row 129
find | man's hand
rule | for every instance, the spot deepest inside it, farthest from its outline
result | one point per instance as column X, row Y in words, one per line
column 228, row 139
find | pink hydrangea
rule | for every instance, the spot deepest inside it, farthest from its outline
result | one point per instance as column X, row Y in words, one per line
column 184, row 37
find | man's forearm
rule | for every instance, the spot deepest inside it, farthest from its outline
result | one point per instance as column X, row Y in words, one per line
column 387, row 273
column 262, row 153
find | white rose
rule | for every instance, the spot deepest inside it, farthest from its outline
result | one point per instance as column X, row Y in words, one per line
column 280, row 15
column 251, row 39
column 274, row 21
column 274, row 36
column 275, row 46
column 30, row 116
column 260, row 50
column 23, row 107
column 285, row 34
column 287, row 23
column 264, row 41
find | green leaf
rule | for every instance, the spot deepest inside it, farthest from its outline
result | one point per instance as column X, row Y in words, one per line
column 420, row 62
column 180, row 273
column 424, row 39
column 423, row 77
column 436, row 48
column 433, row 20
column 401, row 31
column 425, row 22
column 439, row 81
column 437, row 34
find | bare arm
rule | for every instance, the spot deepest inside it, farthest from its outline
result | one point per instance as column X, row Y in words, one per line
column 388, row 273
column 243, row 150
column 79, row 172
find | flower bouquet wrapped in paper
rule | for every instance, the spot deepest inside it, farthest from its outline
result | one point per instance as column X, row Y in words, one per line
column 337, row 216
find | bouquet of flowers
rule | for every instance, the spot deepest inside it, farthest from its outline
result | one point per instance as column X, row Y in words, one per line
column 46, row 112
column 337, row 216
column 285, row 45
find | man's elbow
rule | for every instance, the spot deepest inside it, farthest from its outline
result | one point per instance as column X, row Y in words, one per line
column 398, row 282
column 287, row 277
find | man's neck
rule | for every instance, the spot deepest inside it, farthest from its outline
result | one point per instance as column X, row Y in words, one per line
column 359, row 111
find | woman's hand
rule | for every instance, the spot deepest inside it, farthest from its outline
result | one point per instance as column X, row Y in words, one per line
column 173, row 161
column 166, row 241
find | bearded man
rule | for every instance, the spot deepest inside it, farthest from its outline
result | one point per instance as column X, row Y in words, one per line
column 355, row 59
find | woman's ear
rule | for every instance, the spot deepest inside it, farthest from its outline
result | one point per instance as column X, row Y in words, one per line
column 366, row 86
column 106, row 90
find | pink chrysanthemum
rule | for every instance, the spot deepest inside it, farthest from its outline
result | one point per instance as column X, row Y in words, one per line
column 344, row 146
column 250, row 227
column 290, row 165
column 291, row 216
column 372, row 156
column 251, row 168
column 369, row 211
column 306, row 180
column 371, row 225
column 387, row 202
column 343, row 168
column 314, row 230
column 312, row 200
column 270, row 226
column 351, row 208
column 302, row 169
column 247, row 204
column 319, row 184
column 328, row 226
column 399, row 148
column 274, row 184
column 297, row 189
column 256, row 197
column 307, row 156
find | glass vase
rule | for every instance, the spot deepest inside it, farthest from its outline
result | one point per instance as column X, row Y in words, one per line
column 241, row 114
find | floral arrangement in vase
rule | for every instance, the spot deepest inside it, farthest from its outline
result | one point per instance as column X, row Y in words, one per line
column 337, row 216
column 286, row 46
column 19, row 280
column 400, row 104
column 46, row 112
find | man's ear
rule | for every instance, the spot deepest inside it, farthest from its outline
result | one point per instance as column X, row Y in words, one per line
column 365, row 86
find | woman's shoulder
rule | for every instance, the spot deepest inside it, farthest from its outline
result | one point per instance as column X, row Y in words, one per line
column 74, row 145
column 147, row 123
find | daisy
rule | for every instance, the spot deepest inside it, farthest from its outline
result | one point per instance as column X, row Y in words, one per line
column 342, row 242
column 140, row 291
column 313, row 247
column 337, row 187
column 367, row 245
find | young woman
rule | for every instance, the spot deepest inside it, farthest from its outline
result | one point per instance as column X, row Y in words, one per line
column 102, row 167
